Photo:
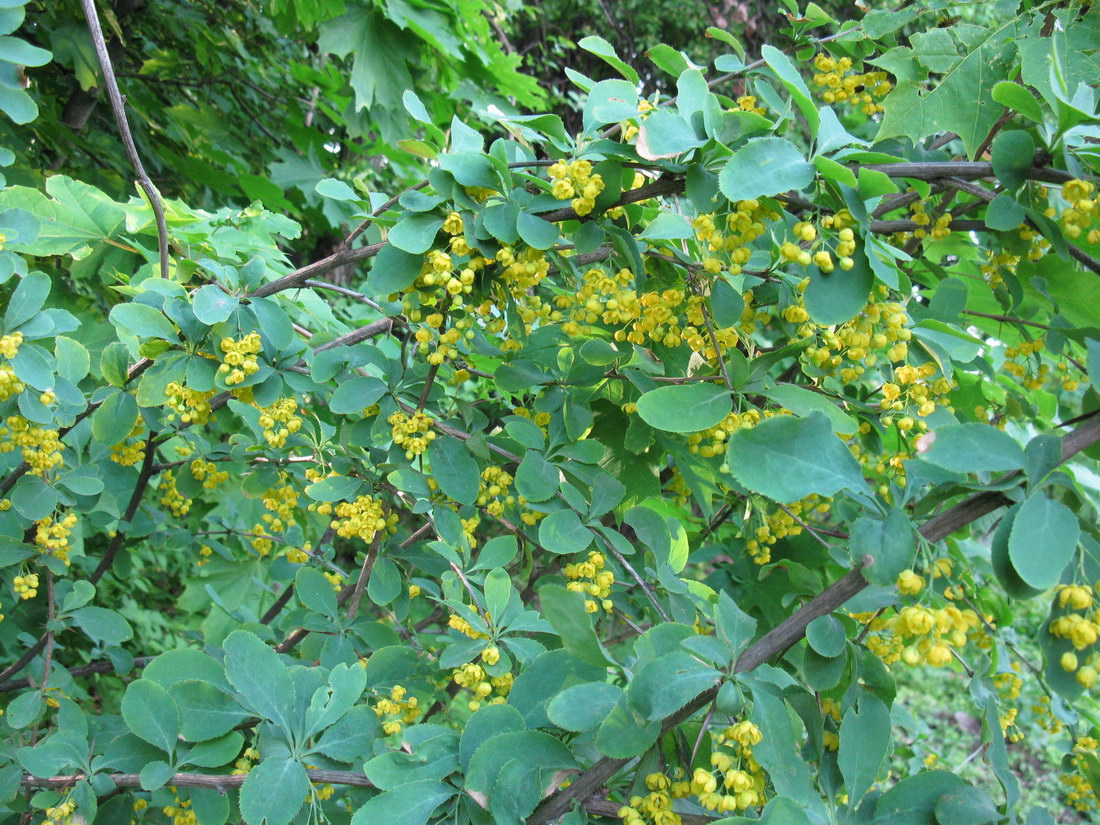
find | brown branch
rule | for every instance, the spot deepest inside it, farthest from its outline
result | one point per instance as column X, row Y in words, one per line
column 118, row 106
column 364, row 575
column 221, row 782
column 793, row 628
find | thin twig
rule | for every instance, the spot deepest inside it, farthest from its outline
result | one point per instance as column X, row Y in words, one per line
column 118, row 106
column 364, row 575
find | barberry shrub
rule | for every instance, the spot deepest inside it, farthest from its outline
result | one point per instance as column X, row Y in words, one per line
column 617, row 480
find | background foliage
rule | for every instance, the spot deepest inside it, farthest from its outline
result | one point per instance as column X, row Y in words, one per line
column 553, row 413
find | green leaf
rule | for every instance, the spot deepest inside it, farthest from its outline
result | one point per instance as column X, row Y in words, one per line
column 536, row 232
column 583, row 707
column 969, row 806
column 562, row 532
column 454, row 469
column 205, row 712
column 564, row 609
column 604, row 50
column 668, row 683
column 961, row 102
column 115, row 418
column 434, row 759
column 890, row 542
column 787, row 459
column 1012, row 154
column 665, row 134
column 255, row 670
column 274, row 791
column 409, row 804
column 27, row 299
column 103, row 625
column 974, row 448
column 685, row 408
column 76, row 217
column 496, row 552
column 913, row 800
column 356, row 395
column 789, row 76
column 498, row 591
column 151, row 714
column 1016, row 97
column 623, row 735
column 735, row 627
column 864, row 740
column 212, row 304
column 838, row 296
column 25, row 709
column 726, row 304
column 415, row 233
column 334, row 488
column 1004, row 213
column 802, row 402
column 1043, row 540
column 764, row 166
column 143, row 321
column 826, row 636
column 216, row 752
column 336, row 189
column 393, row 270
column 315, row 592
column 536, row 478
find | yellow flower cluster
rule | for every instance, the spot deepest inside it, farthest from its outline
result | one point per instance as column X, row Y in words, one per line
column 576, row 181
column 192, row 406
column 400, row 710
column 473, row 677
column 130, row 454
column 494, row 492
column 438, row 272
column 711, row 442
column 731, row 237
column 280, row 421
column 362, row 518
column 1082, row 210
column 1082, row 631
column 841, row 83
column 53, row 536
column 914, row 387
column 205, row 552
column 208, row 473
column 1025, row 363
column 1045, row 718
column 925, row 226
column 180, row 811
column 909, row 583
column 280, row 502
column 524, row 271
column 60, row 814
column 26, row 587
column 747, row 103
column 922, row 636
column 239, row 358
column 412, row 432
column 445, row 341
column 458, row 623
column 10, row 344
column 41, row 447
column 336, row 580
column 1079, row 794
column 170, row 498
column 9, row 384
column 590, row 578
column 739, row 784
column 779, row 524
column 880, row 326
column 245, row 762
